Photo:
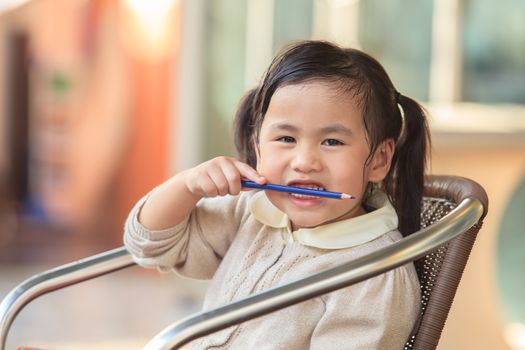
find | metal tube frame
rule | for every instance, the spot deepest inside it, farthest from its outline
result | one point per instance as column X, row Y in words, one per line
column 58, row 278
column 410, row 248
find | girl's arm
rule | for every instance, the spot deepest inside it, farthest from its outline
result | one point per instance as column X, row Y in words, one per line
column 217, row 177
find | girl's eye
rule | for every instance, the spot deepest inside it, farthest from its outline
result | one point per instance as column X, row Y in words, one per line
column 286, row 139
column 332, row 142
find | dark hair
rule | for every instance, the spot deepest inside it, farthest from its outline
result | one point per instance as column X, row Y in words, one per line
column 386, row 115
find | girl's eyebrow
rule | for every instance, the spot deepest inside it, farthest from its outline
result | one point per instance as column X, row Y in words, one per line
column 283, row 126
column 329, row 129
column 336, row 129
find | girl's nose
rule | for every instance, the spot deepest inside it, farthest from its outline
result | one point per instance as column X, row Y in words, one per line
column 306, row 160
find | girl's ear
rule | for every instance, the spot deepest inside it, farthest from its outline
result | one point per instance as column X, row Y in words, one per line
column 381, row 161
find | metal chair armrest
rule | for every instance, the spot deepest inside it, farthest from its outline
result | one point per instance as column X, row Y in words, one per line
column 410, row 248
column 58, row 278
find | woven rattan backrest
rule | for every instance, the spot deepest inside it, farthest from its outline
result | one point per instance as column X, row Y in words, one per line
column 429, row 266
column 440, row 271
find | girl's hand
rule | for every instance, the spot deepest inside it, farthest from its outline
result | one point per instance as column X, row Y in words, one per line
column 220, row 176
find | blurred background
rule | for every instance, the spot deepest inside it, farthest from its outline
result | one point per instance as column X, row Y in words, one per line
column 100, row 100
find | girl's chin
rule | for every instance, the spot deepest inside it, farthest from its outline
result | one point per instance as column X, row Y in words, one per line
column 312, row 221
column 302, row 223
column 306, row 202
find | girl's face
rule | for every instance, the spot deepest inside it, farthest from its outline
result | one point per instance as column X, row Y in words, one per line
column 313, row 136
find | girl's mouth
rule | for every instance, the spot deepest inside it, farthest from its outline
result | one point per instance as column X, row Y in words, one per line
column 310, row 186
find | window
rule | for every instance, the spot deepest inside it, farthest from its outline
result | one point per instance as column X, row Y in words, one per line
column 399, row 34
column 494, row 51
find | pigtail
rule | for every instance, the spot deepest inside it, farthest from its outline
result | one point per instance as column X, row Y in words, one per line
column 243, row 129
column 405, row 183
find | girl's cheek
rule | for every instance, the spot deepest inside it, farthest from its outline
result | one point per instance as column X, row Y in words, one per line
column 261, row 167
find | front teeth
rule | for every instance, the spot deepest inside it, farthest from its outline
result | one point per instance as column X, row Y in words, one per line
column 305, row 196
column 312, row 188
column 302, row 196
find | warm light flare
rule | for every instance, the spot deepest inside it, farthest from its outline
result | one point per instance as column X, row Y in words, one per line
column 6, row 5
column 149, row 28
column 515, row 335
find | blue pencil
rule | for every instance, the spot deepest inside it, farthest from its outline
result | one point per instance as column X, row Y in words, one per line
column 297, row 190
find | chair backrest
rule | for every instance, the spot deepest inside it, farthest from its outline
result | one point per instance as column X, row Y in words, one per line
column 440, row 271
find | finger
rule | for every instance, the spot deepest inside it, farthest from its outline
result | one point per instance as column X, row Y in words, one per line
column 207, row 186
column 217, row 176
column 233, row 176
column 250, row 173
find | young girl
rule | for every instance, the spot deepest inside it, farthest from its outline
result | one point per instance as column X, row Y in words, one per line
column 324, row 117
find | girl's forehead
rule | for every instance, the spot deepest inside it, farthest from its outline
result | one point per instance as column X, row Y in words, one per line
column 319, row 97
column 316, row 94
column 312, row 106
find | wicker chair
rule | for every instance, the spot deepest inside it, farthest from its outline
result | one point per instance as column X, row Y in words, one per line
column 453, row 210
column 440, row 271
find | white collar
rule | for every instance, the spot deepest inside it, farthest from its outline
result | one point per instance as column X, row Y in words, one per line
column 337, row 235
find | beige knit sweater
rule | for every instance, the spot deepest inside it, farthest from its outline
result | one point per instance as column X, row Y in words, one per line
column 223, row 241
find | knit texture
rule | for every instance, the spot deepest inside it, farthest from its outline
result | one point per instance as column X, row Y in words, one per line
column 222, row 241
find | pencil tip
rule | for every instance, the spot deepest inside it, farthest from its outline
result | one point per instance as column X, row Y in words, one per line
column 347, row 196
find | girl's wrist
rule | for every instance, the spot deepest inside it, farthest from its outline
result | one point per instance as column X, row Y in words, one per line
column 181, row 186
column 168, row 204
